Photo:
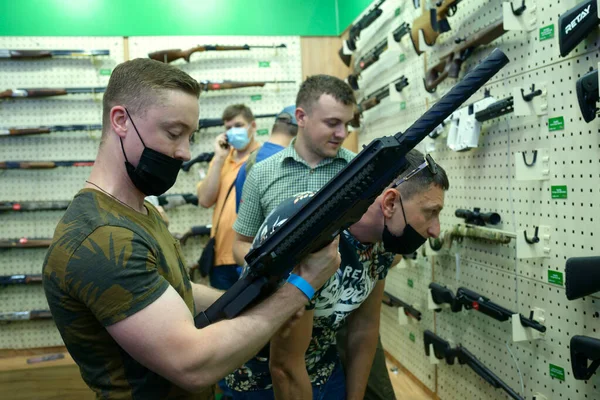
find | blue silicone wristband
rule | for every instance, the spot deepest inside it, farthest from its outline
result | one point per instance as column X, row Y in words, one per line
column 302, row 285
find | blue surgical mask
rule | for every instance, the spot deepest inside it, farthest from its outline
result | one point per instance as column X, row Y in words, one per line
column 238, row 137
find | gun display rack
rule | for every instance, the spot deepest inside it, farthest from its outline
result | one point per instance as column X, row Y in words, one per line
column 485, row 177
column 61, row 184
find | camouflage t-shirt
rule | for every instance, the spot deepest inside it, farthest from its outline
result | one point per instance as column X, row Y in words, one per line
column 363, row 265
column 107, row 262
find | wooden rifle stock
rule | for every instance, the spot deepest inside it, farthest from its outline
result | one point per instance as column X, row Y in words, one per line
column 171, row 55
column 27, row 131
column 450, row 64
column 29, row 165
column 432, row 23
column 10, row 93
column 208, row 86
column 28, row 54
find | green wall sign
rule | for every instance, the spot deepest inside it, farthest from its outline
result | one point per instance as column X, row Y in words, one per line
column 177, row 18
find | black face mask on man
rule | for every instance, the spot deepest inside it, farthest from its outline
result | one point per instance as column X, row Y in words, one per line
column 407, row 243
column 155, row 173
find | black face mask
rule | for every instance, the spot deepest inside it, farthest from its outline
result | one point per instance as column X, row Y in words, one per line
column 155, row 173
column 407, row 243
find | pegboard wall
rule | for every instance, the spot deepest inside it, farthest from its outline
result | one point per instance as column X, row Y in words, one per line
column 63, row 183
column 486, row 177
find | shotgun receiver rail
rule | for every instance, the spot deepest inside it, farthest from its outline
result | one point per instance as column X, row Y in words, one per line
column 341, row 202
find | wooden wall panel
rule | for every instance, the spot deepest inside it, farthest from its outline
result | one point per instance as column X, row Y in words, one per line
column 320, row 56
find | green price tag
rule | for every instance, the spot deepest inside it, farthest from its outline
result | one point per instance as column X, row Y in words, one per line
column 264, row 64
column 397, row 11
column 262, row 132
column 411, row 336
column 402, row 57
column 403, row 105
column 556, row 124
column 411, row 283
column 546, row 32
column 256, row 97
column 555, row 277
column 559, row 192
column 557, row 372
column 105, row 71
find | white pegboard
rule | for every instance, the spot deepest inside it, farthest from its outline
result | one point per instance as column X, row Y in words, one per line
column 53, row 184
column 485, row 178
column 63, row 183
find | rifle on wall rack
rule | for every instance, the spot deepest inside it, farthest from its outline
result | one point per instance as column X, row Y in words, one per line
column 203, row 157
column 168, row 201
column 495, row 110
column 25, row 243
column 47, row 92
column 393, row 301
column 48, row 129
column 373, row 56
column 10, row 54
column 33, row 205
column 43, row 164
column 432, row 23
column 449, row 65
column 468, row 299
column 443, row 351
column 375, row 98
column 212, row 122
column 208, row 86
column 460, row 231
column 6, row 280
column 25, row 315
column 340, row 202
column 362, row 23
column 171, row 55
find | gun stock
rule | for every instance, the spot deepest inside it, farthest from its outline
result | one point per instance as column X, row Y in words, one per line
column 587, row 95
column 583, row 350
column 450, row 64
column 575, row 24
column 432, row 23
column 582, row 277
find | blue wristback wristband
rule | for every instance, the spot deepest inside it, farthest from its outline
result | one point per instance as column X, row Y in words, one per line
column 302, row 285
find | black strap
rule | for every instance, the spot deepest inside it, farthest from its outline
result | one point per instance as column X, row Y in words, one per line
column 224, row 203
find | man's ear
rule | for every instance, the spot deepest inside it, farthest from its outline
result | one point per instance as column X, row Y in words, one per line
column 301, row 117
column 253, row 126
column 389, row 202
column 118, row 120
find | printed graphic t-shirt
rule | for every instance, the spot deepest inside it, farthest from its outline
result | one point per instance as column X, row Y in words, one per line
column 363, row 265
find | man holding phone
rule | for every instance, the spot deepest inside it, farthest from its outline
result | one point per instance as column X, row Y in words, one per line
column 232, row 149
